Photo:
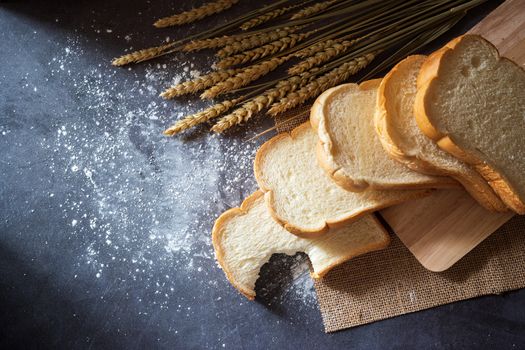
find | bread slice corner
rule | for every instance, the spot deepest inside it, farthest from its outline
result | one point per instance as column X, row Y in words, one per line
column 471, row 101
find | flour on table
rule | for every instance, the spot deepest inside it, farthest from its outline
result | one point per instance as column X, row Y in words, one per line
column 150, row 201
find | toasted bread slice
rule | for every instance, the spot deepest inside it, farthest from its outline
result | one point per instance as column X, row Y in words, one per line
column 300, row 195
column 401, row 137
column 471, row 102
column 349, row 149
column 245, row 238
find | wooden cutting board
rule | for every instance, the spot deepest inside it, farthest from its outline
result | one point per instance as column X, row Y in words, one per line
column 441, row 229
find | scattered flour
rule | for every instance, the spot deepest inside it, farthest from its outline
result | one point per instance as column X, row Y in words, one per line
column 140, row 215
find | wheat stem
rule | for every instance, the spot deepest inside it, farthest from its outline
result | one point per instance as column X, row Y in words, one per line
column 195, row 14
column 196, row 45
column 243, row 78
column 201, row 117
column 311, row 10
column 317, row 47
column 264, row 51
column 325, row 55
column 257, row 104
column 255, row 40
column 324, row 82
column 265, row 17
column 141, row 55
column 197, row 84
column 153, row 52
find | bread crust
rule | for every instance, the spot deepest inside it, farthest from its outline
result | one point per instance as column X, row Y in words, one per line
column 383, row 119
column 326, row 149
column 247, row 204
column 365, row 249
column 216, row 235
column 428, row 76
column 327, row 224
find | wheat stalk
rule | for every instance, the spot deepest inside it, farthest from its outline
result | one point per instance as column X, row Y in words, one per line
column 243, row 78
column 248, row 109
column 196, row 45
column 200, row 83
column 255, row 40
column 254, row 22
column 240, row 115
column 141, row 55
column 324, row 82
column 264, row 51
column 195, row 14
column 313, row 49
column 201, row 117
column 320, row 57
column 312, row 10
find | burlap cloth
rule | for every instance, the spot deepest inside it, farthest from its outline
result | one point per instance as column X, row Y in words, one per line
column 391, row 282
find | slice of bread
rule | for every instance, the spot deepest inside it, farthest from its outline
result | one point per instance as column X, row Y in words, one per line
column 349, row 149
column 471, row 102
column 299, row 194
column 401, row 137
column 245, row 238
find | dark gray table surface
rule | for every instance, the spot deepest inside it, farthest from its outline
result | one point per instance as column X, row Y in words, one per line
column 105, row 224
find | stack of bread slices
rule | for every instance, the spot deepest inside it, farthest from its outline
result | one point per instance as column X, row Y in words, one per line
column 453, row 119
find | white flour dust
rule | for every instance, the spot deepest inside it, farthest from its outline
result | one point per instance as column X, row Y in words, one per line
column 147, row 203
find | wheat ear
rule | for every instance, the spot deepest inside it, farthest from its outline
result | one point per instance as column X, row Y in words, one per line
column 312, row 10
column 243, row 78
column 315, row 48
column 141, row 55
column 264, row 51
column 320, row 57
column 322, row 83
column 200, row 83
column 195, row 14
column 201, row 117
column 248, row 109
column 220, row 41
column 255, row 40
column 254, row 22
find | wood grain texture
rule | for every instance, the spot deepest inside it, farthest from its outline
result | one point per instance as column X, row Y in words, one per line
column 441, row 229
column 505, row 28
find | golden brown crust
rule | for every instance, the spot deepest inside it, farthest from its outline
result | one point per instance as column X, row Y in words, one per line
column 217, row 233
column 246, row 205
column 428, row 76
column 362, row 250
column 383, row 117
column 268, row 193
column 326, row 149
column 384, row 121
column 371, row 84
column 323, row 228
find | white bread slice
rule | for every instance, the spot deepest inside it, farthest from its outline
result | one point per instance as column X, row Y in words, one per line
column 299, row 194
column 471, row 102
column 401, row 137
column 245, row 238
column 349, row 149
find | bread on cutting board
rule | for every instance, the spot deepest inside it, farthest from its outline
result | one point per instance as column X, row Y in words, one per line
column 245, row 238
column 471, row 102
column 301, row 197
column 401, row 137
column 349, row 149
